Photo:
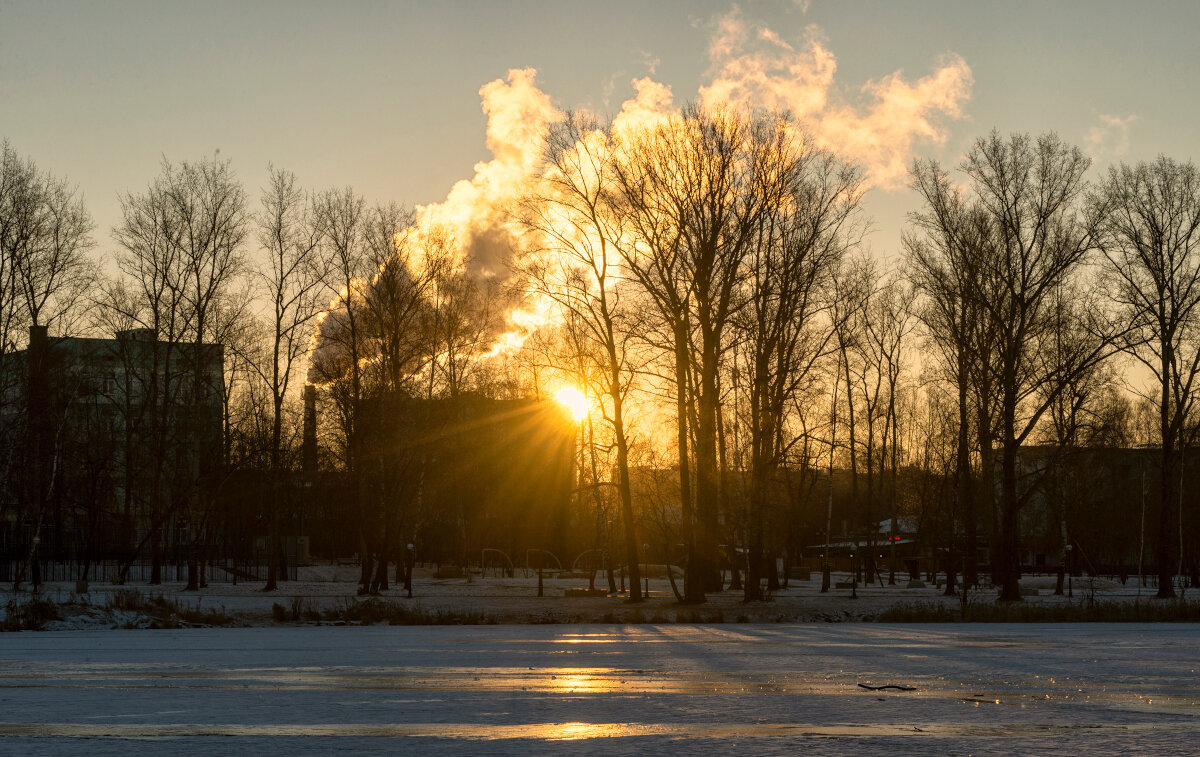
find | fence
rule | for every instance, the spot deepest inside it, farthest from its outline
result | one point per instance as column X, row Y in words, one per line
column 107, row 571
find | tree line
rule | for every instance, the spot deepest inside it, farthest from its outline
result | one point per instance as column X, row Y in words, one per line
column 702, row 278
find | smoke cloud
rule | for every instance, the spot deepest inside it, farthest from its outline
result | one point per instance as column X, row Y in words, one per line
column 476, row 210
column 753, row 67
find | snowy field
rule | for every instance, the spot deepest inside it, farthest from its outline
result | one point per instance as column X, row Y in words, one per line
column 612, row 690
column 328, row 587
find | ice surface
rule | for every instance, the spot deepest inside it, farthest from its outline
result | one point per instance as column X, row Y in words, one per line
column 734, row 689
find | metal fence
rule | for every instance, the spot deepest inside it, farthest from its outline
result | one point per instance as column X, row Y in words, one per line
column 108, row 571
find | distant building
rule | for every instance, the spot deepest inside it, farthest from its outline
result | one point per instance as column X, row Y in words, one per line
column 1102, row 503
column 112, row 444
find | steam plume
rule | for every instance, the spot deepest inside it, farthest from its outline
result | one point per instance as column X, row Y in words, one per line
column 753, row 67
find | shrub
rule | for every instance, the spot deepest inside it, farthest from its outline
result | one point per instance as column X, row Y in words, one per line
column 29, row 616
column 1152, row 611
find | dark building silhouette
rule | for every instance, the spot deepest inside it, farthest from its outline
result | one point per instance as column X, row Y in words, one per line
column 116, row 443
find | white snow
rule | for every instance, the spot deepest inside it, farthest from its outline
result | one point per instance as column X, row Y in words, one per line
column 514, row 599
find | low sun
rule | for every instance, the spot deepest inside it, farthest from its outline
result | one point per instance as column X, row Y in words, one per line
column 573, row 400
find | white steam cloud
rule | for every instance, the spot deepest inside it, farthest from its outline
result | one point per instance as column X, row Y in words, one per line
column 751, row 67
column 475, row 210
column 754, row 67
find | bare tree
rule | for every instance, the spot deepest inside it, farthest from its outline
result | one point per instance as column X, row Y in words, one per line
column 147, row 297
column 1074, row 418
column 1148, row 218
column 803, row 233
column 945, row 255
column 888, row 325
column 654, row 258
column 343, row 341
column 854, row 284
column 693, row 189
column 576, row 266
column 45, row 236
column 398, row 296
column 211, row 203
column 293, row 278
column 1031, row 191
column 181, row 257
column 395, row 306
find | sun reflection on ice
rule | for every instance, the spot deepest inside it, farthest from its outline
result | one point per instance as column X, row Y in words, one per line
column 583, row 680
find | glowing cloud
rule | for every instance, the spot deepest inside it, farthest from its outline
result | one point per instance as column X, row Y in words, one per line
column 476, row 210
column 651, row 103
column 753, row 67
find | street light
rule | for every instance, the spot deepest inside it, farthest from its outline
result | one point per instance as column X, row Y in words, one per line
column 1070, row 585
column 37, row 567
column 646, row 567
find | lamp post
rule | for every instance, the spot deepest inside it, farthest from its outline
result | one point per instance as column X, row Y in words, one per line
column 646, row 568
column 37, row 566
column 854, row 571
column 1070, row 585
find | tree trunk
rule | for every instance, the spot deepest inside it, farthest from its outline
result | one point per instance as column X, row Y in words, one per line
column 707, row 491
column 693, row 588
column 624, row 491
column 1010, row 558
column 1167, row 428
column 966, row 501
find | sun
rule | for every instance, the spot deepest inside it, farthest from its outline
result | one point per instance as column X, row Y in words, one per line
column 573, row 400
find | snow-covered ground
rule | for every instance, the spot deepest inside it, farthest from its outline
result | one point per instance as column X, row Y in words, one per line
column 613, row 690
column 322, row 588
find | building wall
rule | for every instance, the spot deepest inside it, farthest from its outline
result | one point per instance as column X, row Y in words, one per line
column 116, row 438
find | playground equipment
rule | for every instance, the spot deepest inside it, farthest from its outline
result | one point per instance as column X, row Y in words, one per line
column 592, row 566
column 531, row 568
column 499, row 561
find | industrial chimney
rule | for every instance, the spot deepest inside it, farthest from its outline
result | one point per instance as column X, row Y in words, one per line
column 309, row 447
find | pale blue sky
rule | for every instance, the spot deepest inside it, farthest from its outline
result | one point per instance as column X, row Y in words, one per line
column 383, row 96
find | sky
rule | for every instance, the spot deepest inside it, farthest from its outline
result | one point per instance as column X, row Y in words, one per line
column 389, row 97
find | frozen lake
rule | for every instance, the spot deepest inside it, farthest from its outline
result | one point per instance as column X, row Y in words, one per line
column 737, row 689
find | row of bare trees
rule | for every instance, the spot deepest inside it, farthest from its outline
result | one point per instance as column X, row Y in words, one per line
column 699, row 275
column 694, row 259
column 708, row 258
column 217, row 304
column 1032, row 281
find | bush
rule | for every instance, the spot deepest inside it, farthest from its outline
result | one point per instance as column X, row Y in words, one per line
column 29, row 616
column 164, row 612
column 917, row 612
column 373, row 611
column 1152, row 611
column 197, row 617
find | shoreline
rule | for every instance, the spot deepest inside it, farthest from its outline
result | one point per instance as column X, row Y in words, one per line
column 324, row 596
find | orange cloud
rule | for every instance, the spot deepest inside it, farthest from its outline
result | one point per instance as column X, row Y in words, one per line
column 475, row 210
column 753, row 67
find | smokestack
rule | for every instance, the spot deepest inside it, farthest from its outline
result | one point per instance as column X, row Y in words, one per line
column 309, row 446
